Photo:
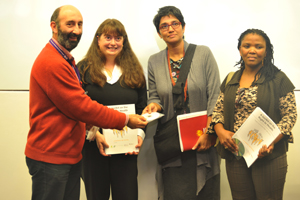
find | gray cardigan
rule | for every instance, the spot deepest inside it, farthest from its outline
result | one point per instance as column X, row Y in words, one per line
column 203, row 82
column 203, row 88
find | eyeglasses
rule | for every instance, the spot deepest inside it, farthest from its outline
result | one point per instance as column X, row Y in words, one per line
column 238, row 101
column 109, row 38
column 165, row 26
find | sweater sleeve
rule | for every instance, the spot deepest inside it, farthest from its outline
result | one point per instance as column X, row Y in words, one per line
column 61, row 85
column 287, row 106
column 288, row 112
column 213, row 81
column 153, row 94
column 218, row 112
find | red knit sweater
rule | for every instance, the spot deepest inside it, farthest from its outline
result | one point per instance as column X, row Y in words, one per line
column 58, row 108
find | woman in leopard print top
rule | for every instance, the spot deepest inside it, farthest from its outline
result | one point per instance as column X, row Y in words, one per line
column 258, row 83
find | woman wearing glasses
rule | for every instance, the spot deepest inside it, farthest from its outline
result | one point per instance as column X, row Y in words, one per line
column 258, row 83
column 192, row 174
column 111, row 75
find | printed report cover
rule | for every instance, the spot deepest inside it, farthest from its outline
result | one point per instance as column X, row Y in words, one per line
column 258, row 130
column 121, row 141
column 190, row 127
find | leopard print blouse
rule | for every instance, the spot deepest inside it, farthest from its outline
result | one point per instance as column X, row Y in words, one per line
column 246, row 102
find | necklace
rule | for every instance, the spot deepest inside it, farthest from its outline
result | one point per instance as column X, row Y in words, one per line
column 170, row 71
column 169, row 65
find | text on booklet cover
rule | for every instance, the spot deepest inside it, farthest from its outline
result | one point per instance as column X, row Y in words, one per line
column 256, row 131
column 121, row 141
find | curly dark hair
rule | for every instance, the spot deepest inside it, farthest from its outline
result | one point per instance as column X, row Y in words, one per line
column 132, row 71
column 269, row 69
column 166, row 11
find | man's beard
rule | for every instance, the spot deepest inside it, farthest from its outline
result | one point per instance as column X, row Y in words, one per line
column 63, row 39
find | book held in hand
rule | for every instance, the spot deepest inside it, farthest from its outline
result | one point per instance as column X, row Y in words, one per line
column 152, row 116
column 190, row 127
column 121, row 141
column 258, row 130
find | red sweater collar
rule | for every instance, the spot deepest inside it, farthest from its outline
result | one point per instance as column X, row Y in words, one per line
column 66, row 52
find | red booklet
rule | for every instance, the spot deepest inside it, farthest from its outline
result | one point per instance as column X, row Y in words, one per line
column 190, row 127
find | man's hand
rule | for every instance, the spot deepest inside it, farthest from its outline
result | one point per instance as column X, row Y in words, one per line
column 136, row 121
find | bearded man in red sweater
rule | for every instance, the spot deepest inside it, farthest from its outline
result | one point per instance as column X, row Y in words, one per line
column 59, row 109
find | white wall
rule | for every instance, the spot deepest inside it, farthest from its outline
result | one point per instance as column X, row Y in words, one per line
column 215, row 23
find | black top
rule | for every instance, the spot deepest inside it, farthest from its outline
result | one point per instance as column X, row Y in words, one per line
column 115, row 94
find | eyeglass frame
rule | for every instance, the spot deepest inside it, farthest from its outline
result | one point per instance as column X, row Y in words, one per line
column 171, row 24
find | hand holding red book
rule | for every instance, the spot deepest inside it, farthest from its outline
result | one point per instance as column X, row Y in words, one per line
column 190, row 127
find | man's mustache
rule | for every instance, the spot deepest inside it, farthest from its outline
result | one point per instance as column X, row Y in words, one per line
column 74, row 35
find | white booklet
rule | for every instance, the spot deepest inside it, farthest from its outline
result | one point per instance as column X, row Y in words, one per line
column 121, row 141
column 258, row 130
column 153, row 116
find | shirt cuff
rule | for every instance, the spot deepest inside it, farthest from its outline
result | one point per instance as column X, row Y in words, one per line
column 126, row 120
column 141, row 133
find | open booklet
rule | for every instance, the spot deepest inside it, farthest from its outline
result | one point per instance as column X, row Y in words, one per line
column 258, row 130
column 121, row 141
column 190, row 127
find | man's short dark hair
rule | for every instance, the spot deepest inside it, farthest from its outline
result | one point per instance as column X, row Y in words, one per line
column 55, row 15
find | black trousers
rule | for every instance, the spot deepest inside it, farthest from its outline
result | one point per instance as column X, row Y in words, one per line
column 99, row 173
